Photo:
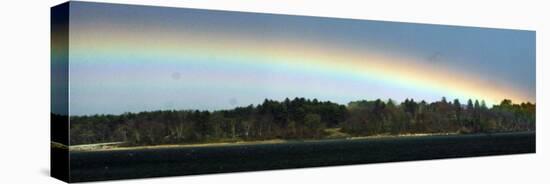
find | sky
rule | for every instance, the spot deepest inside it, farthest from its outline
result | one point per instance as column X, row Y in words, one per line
column 138, row 58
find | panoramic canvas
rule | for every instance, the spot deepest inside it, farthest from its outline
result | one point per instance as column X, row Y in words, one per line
column 141, row 91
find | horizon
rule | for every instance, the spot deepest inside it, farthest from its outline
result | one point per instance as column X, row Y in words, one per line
column 396, row 103
column 137, row 58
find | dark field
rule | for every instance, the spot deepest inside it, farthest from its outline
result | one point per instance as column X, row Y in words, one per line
column 124, row 164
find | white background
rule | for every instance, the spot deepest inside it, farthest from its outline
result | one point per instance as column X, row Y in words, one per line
column 24, row 91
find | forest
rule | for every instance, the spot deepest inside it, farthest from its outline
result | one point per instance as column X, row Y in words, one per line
column 300, row 119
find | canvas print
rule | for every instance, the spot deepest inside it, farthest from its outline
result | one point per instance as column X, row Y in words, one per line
column 143, row 91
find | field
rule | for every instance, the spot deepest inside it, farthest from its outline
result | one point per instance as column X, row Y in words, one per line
column 140, row 163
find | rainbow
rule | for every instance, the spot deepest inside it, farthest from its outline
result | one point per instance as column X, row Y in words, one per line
column 180, row 48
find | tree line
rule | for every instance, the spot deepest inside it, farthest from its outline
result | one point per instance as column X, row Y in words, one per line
column 302, row 118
